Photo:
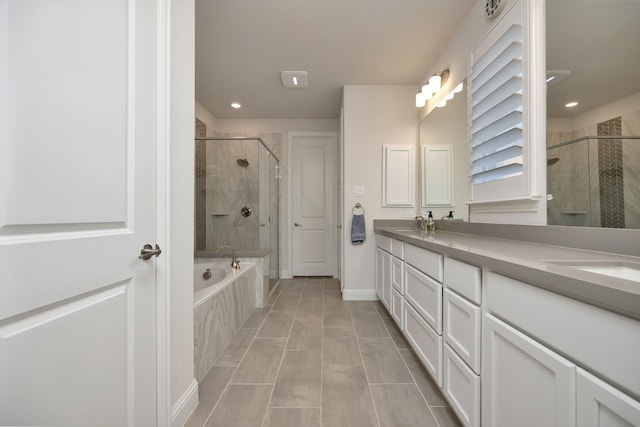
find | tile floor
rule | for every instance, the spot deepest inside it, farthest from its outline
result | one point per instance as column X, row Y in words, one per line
column 310, row 359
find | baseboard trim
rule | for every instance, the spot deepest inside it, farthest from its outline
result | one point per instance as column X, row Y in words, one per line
column 359, row 295
column 285, row 274
column 185, row 406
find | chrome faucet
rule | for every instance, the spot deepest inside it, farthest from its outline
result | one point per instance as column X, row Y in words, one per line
column 235, row 263
column 421, row 222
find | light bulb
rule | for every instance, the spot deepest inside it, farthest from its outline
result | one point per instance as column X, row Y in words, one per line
column 420, row 101
column 458, row 88
column 434, row 83
column 442, row 103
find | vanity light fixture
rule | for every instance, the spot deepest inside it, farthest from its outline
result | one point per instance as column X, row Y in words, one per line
column 431, row 88
column 459, row 88
column 571, row 104
column 236, row 105
column 442, row 103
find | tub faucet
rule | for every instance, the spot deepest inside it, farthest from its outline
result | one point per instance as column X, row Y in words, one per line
column 207, row 274
column 235, row 263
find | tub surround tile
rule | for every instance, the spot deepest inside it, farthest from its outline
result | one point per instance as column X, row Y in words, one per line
column 260, row 363
column 232, row 409
column 298, row 383
column 401, row 405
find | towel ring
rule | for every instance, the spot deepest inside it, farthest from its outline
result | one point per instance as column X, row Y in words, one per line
column 357, row 206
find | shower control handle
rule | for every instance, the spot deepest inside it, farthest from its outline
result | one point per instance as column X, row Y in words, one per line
column 147, row 252
column 297, row 225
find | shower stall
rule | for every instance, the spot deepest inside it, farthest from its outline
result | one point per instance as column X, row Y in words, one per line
column 594, row 181
column 237, row 199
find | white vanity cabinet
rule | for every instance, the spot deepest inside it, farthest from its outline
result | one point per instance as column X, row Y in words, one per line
column 462, row 339
column 423, row 307
column 390, row 276
column 551, row 360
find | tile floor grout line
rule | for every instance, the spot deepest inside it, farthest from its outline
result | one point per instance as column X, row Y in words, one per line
column 424, row 398
column 284, row 352
column 366, row 375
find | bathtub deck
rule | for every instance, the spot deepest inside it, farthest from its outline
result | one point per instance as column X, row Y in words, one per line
column 310, row 359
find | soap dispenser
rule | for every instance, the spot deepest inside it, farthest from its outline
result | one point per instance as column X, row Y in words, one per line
column 431, row 223
column 450, row 216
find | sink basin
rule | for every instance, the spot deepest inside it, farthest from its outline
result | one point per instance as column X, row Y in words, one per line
column 619, row 269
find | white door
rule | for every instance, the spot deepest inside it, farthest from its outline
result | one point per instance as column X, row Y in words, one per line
column 314, row 198
column 524, row 383
column 78, row 131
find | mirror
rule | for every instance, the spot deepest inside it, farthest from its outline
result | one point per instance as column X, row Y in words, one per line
column 593, row 148
column 444, row 159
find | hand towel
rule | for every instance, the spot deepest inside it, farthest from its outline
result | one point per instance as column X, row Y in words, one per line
column 358, row 230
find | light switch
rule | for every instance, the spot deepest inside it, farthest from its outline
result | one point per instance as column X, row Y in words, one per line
column 359, row 191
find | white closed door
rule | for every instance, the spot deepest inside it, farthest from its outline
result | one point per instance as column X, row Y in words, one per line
column 78, row 131
column 314, row 200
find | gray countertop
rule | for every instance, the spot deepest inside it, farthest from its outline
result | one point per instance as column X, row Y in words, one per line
column 533, row 263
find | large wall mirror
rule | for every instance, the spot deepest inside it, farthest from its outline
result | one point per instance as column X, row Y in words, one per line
column 593, row 148
column 444, row 159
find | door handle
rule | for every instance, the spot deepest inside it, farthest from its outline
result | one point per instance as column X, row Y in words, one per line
column 148, row 251
column 297, row 225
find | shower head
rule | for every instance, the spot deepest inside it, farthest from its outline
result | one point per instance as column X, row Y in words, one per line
column 553, row 161
column 242, row 163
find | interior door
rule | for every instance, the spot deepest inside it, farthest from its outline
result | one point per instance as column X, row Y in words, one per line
column 78, row 131
column 314, row 199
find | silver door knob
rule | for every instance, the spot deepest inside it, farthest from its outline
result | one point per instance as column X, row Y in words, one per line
column 297, row 225
column 148, row 251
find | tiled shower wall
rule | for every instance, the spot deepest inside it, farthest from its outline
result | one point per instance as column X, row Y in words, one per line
column 230, row 187
column 200, row 188
column 610, row 185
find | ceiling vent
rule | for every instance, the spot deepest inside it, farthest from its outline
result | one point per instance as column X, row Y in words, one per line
column 294, row 79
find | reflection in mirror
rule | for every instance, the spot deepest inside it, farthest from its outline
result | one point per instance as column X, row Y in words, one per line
column 443, row 127
column 593, row 113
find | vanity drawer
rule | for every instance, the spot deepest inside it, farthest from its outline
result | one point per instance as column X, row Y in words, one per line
column 426, row 261
column 383, row 242
column 425, row 295
column 425, row 341
column 397, row 248
column 397, row 311
column 461, row 388
column 463, row 278
column 462, row 321
column 397, row 275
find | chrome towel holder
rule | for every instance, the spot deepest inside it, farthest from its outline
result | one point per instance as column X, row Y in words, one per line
column 357, row 206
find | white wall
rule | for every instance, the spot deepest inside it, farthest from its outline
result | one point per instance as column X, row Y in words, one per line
column 181, row 170
column 283, row 126
column 206, row 117
column 373, row 116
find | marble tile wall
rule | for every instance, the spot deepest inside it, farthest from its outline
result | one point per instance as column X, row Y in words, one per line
column 200, row 188
column 602, row 208
column 218, row 320
column 230, row 187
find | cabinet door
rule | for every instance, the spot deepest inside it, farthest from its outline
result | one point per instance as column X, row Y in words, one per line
column 425, row 341
column 397, row 275
column 397, row 311
column 524, row 383
column 601, row 405
column 382, row 273
column 383, row 277
column 462, row 328
column 398, row 175
column 425, row 295
column 462, row 388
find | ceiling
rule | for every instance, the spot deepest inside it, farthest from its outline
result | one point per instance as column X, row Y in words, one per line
column 599, row 42
column 243, row 45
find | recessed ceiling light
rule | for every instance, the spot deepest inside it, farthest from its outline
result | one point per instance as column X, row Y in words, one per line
column 556, row 76
column 571, row 104
column 236, row 105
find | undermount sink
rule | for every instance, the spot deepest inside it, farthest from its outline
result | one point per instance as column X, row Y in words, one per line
column 619, row 269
